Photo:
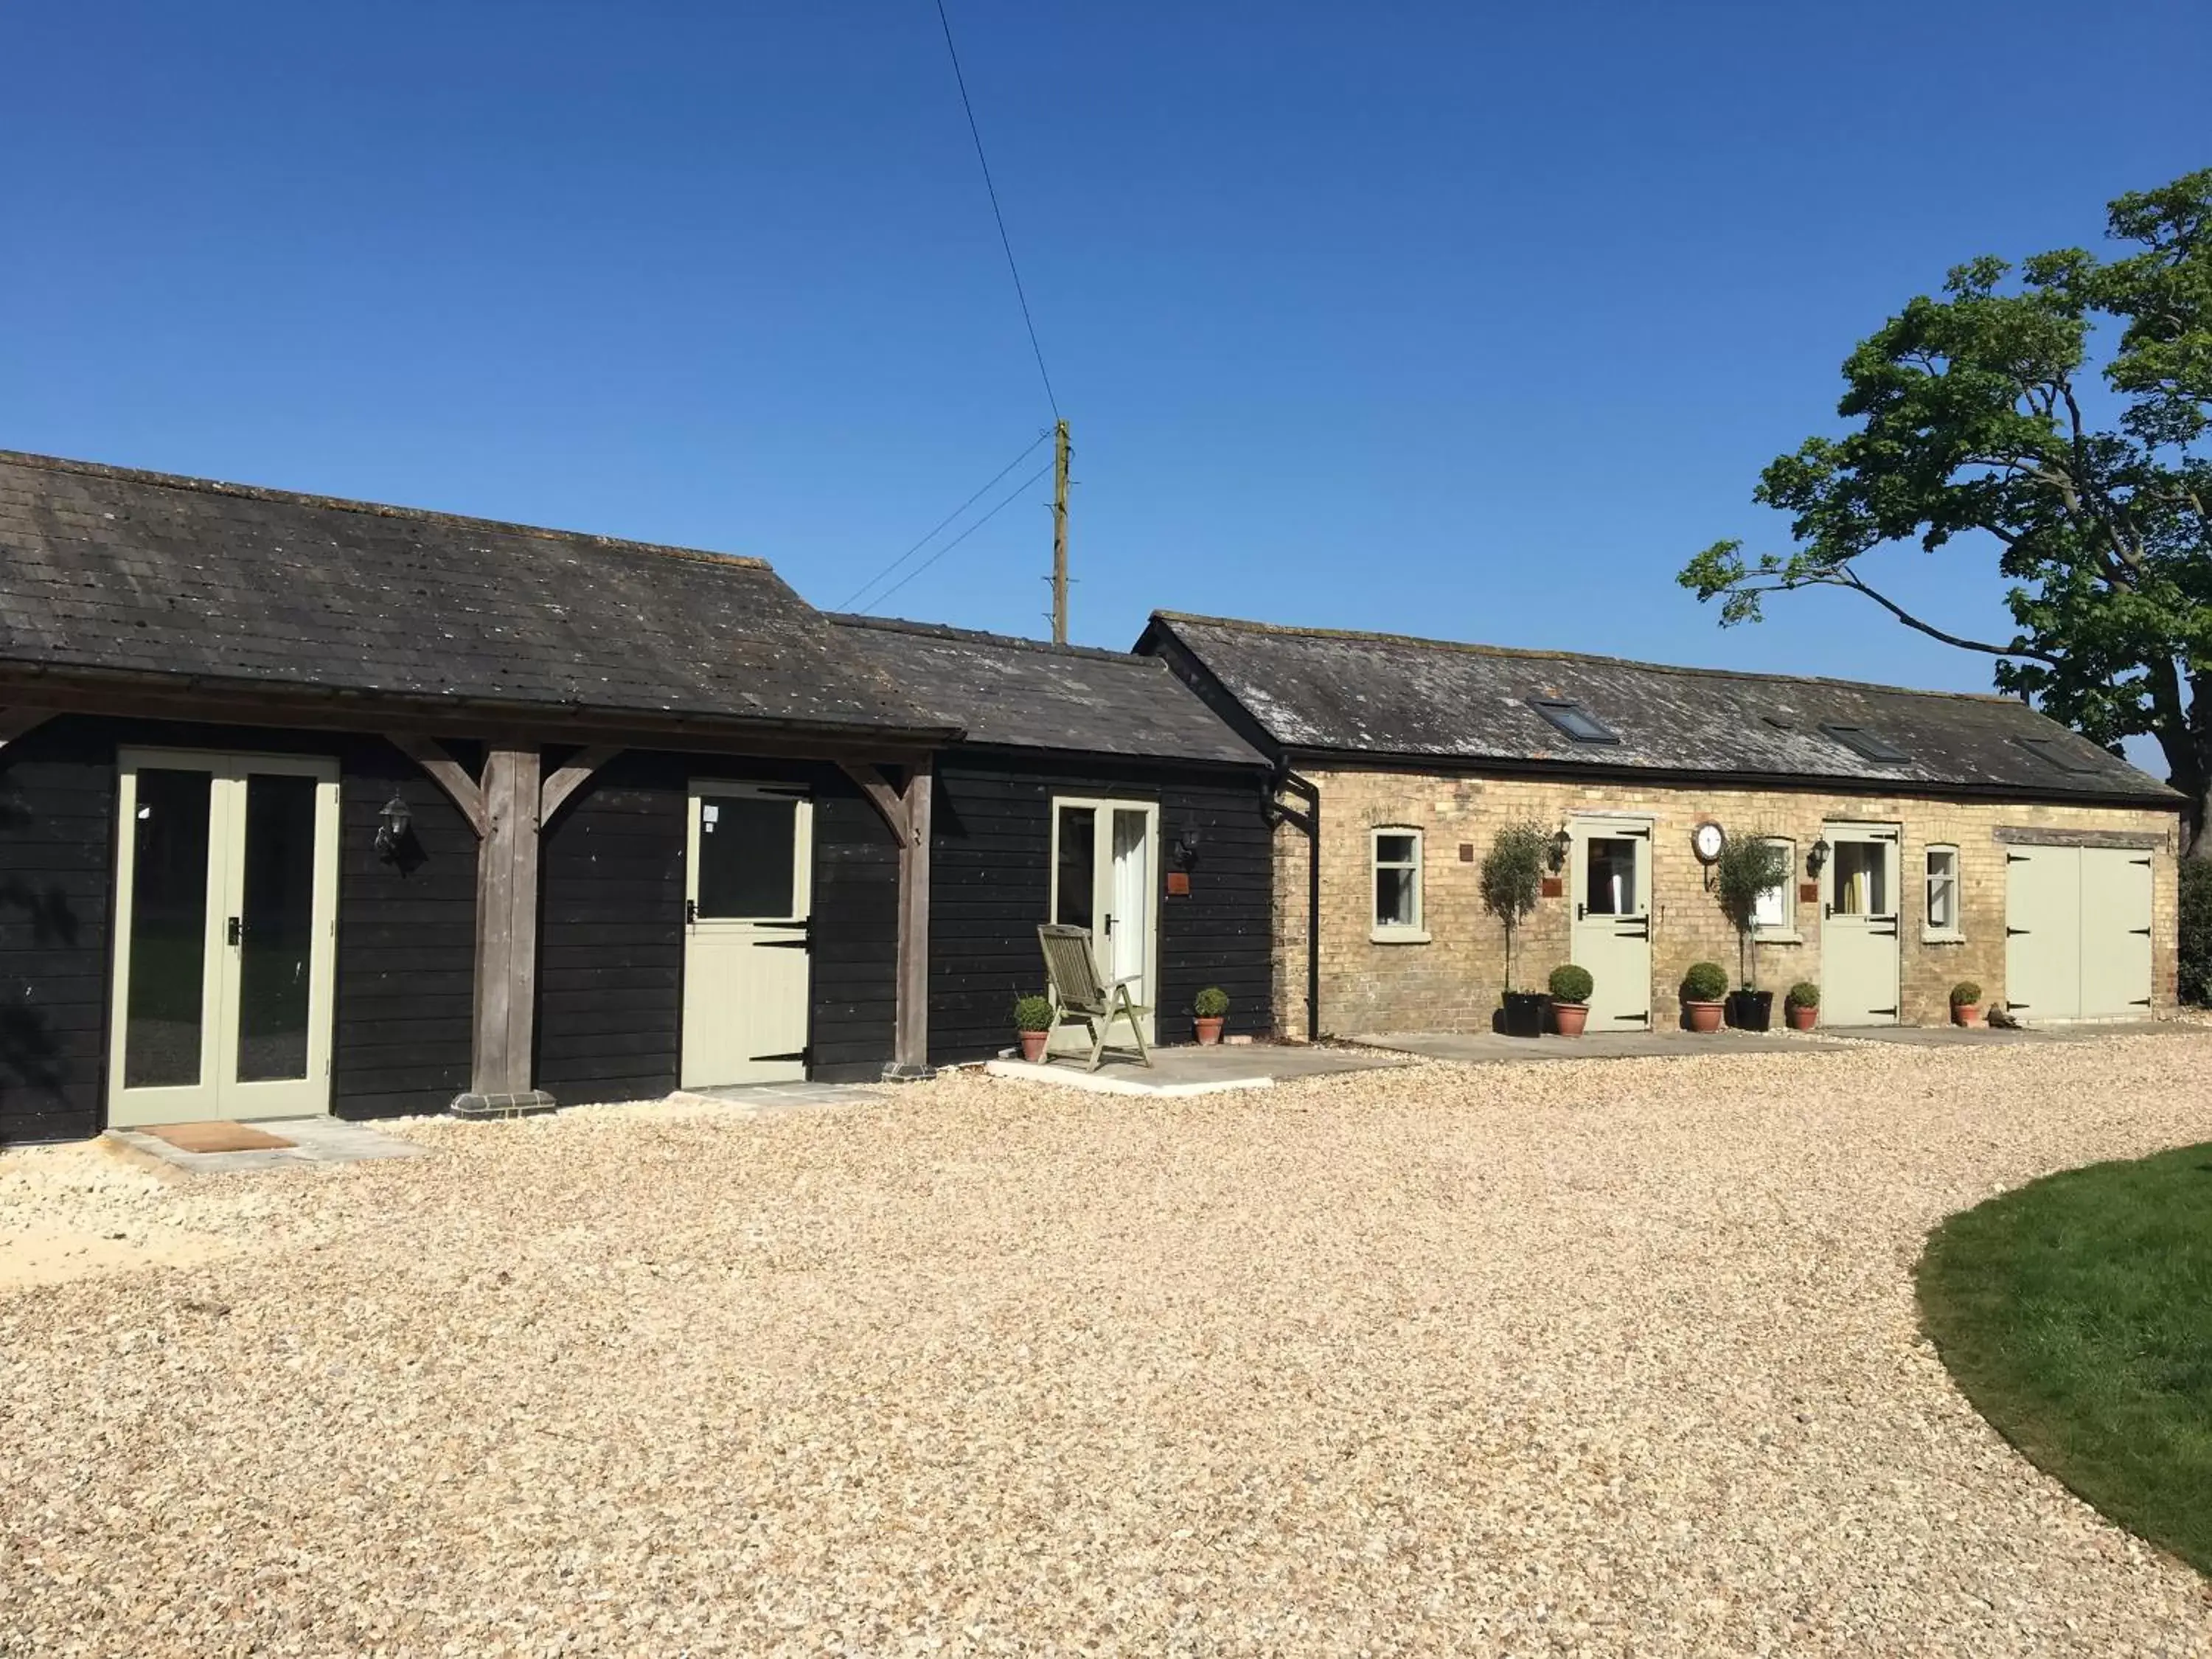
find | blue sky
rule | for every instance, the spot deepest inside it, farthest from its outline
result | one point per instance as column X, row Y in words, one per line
column 1467, row 320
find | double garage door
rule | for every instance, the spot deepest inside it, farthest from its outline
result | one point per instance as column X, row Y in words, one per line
column 2077, row 932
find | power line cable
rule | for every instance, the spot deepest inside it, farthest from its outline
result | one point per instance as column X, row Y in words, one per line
column 1004, row 242
column 946, row 520
column 885, row 597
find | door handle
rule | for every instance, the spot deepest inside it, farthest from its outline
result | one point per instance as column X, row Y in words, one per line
column 235, row 930
column 1579, row 910
column 690, row 911
column 1109, row 927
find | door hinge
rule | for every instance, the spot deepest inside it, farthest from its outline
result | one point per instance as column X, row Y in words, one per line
column 2016, row 857
column 1892, row 1012
column 2014, row 932
column 2144, row 862
column 2145, row 932
column 2139, row 1002
column 803, row 1056
column 1644, row 1018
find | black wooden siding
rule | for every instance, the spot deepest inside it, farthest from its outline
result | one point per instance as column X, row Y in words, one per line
column 993, row 884
column 610, row 933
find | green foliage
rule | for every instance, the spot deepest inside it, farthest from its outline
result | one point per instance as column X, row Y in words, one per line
column 2070, row 1311
column 1747, row 866
column 1804, row 994
column 1033, row 1013
column 1966, row 994
column 1572, row 984
column 1706, row 981
column 1211, row 1003
column 1966, row 421
column 2197, row 930
column 1512, row 878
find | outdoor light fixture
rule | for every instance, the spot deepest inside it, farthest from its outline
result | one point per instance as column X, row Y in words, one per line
column 1562, row 844
column 392, row 824
column 1186, row 846
column 1815, row 856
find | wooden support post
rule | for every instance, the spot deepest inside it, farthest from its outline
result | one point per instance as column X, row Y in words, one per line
column 908, row 813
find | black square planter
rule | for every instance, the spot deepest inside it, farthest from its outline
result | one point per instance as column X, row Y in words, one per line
column 1750, row 1011
column 1525, row 1012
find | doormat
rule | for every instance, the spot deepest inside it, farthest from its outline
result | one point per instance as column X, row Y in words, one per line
column 216, row 1137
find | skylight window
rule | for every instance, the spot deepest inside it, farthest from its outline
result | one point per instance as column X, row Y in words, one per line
column 1870, row 745
column 1571, row 718
column 2057, row 756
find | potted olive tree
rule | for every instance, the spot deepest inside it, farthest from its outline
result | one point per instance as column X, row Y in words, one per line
column 1803, row 1005
column 1207, row 1010
column 1966, row 1002
column 1033, row 1023
column 1702, row 987
column 1748, row 865
column 1512, row 877
column 1571, row 992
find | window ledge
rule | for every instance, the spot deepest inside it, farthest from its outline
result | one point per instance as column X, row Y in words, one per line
column 1398, row 935
column 1934, row 936
column 1777, row 936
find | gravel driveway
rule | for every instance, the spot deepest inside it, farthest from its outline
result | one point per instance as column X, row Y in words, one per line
column 1602, row 1358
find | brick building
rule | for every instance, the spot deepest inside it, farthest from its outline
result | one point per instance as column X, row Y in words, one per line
column 1932, row 837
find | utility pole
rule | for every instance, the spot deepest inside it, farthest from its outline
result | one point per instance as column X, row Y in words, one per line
column 1060, row 533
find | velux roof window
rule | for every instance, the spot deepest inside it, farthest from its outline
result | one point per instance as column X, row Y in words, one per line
column 2055, row 754
column 1869, row 745
column 1571, row 718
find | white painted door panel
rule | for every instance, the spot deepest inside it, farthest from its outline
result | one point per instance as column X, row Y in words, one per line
column 748, row 907
column 1610, row 868
column 1859, row 950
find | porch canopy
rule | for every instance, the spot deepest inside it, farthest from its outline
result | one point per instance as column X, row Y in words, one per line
column 135, row 594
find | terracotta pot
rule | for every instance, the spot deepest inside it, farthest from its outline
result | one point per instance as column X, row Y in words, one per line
column 1967, row 1014
column 1209, row 1031
column 1033, row 1045
column 1705, row 1016
column 1803, row 1018
column 1571, row 1018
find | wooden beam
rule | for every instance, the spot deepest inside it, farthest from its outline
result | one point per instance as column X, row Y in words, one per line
column 571, row 776
column 449, row 774
column 889, row 804
column 911, row 1046
column 507, row 930
column 19, row 721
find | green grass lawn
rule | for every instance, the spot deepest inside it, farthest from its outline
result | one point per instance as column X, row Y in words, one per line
column 2076, row 1314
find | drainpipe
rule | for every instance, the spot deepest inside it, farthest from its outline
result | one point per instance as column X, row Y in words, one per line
column 1308, row 821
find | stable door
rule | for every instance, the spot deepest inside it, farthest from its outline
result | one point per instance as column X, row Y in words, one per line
column 226, row 921
column 748, row 898
column 1104, row 857
column 1859, row 948
column 1611, row 934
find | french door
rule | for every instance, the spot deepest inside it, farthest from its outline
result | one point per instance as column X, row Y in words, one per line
column 1860, row 953
column 226, row 922
column 1611, row 934
column 748, row 905
column 1104, row 854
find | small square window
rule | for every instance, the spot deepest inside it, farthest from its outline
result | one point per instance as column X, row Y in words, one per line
column 1397, row 859
column 1943, row 889
column 1577, row 722
column 1871, row 745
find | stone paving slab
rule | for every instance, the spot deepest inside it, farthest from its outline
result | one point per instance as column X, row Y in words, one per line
column 1192, row 1069
column 1490, row 1049
column 314, row 1140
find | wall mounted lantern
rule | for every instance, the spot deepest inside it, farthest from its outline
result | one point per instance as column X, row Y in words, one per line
column 1816, row 856
column 1562, row 844
column 1186, row 846
column 392, row 822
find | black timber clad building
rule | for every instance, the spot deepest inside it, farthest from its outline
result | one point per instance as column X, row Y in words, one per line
column 1092, row 787
column 423, row 810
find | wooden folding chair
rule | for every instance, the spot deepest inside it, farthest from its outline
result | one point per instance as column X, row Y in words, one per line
column 1072, row 981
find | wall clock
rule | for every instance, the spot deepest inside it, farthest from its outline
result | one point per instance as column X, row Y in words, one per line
column 1706, row 842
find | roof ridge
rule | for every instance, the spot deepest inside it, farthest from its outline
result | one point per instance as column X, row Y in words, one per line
column 376, row 509
column 1544, row 653
column 981, row 636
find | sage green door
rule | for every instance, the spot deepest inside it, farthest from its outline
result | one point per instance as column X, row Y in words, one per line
column 747, row 910
column 1859, row 948
column 1610, row 868
column 2077, row 932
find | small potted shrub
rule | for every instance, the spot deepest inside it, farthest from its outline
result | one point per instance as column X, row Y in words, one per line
column 1802, row 1005
column 1033, row 1021
column 1703, row 989
column 1571, row 992
column 1207, row 1011
column 1966, row 1003
column 1511, row 882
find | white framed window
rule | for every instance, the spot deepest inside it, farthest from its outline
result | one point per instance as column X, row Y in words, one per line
column 1776, row 909
column 1395, row 854
column 1944, row 892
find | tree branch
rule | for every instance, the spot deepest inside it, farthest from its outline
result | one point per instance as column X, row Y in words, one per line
column 1851, row 579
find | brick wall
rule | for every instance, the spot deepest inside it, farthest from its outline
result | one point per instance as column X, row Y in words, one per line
column 1453, row 982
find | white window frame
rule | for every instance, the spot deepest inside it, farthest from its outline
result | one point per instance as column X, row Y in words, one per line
column 1930, row 928
column 1787, row 928
column 1384, row 932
